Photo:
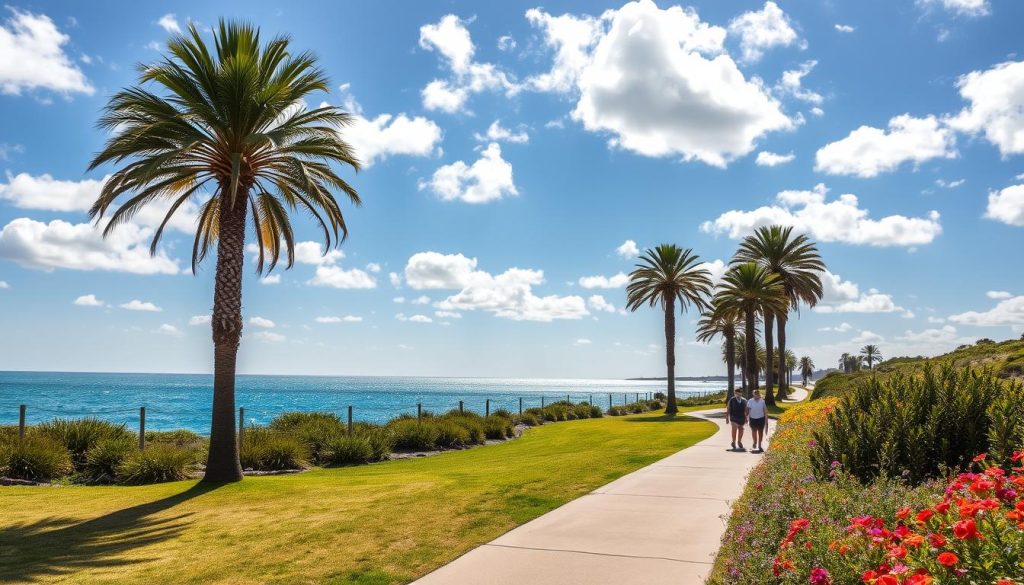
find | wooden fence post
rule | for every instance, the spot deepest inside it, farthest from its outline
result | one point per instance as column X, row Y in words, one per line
column 487, row 408
column 419, row 412
column 542, row 403
column 350, row 420
column 520, row 406
column 591, row 400
column 21, row 422
column 142, row 428
column 461, row 407
column 241, row 427
column 609, row 401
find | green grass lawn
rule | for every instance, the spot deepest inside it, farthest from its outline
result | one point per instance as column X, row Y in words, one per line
column 374, row 524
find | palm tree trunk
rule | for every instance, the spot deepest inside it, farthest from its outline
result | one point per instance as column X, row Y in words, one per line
column 670, row 353
column 730, row 363
column 222, row 463
column 769, row 365
column 751, row 354
column 783, row 385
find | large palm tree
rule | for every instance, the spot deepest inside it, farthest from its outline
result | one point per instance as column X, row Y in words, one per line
column 806, row 368
column 870, row 353
column 226, row 129
column 795, row 259
column 752, row 290
column 667, row 274
column 725, row 322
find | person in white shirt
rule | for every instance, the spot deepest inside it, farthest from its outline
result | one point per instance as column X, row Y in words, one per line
column 757, row 414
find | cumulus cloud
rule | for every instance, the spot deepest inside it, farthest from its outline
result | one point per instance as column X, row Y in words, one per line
column 867, row 337
column 498, row 133
column 487, row 179
column 200, row 320
column 598, row 303
column 413, row 318
column 582, row 341
column 268, row 337
column 771, row 159
column 506, row 43
column 844, row 296
column 4, row 285
column 844, row 28
column 868, row 152
column 447, row 315
column 338, row 277
column 271, row 279
column 32, row 57
column 168, row 329
column 959, row 7
column 137, row 305
column 841, row 328
column 717, row 268
column 508, row 295
column 169, row 23
column 996, row 110
column 421, row 300
column 345, row 319
column 88, row 301
column 840, row 220
column 450, row 38
column 262, row 323
column 792, row 84
column 998, row 294
column 620, row 64
column 616, row 281
column 946, row 335
column 385, row 135
column 1007, row 312
column 373, row 267
column 760, row 30
column 395, row 279
column 628, row 250
column 1007, row 205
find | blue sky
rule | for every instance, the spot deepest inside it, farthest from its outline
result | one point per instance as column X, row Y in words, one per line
column 517, row 155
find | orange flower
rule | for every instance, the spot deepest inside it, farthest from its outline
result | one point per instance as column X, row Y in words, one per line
column 947, row 559
column 903, row 513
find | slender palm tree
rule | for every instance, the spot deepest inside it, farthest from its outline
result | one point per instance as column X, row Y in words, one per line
column 724, row 322
column 870, row 353
column 795, row 259
column 740, row 357
column 664, row 275
column 752, row 290
column 226, row 129
column 844, row 363
column 791, row 363
column 806, row 368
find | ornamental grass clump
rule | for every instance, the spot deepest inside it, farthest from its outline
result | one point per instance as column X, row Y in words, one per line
column 34, row 458
column 343, row 450
column 411, row 435
column 80, row 435
column 498, row 428
column 314, row 429
column 103, row 458
column 917, row 427
column 157, row 464
column 267, row 449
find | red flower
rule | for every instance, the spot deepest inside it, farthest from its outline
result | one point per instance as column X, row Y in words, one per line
column 868, row 576
column 820, row 576
column 937, row 540
column 887, row 580
column 965, row 529
column 898, row 552
column 942, row 507
column 947, row 559
column 980, row 458
column 919, row 579
column 924, row 515
column 903, row 513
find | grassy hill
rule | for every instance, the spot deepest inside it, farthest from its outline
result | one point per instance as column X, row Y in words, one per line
column 1005, row 359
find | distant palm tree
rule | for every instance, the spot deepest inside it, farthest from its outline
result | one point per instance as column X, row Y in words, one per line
column 753, row 290
column 226, row 125
column 740, row 357
column 844, row 363
column 870, row 353
column 725, row 322
column 791, row 363
column 796, row 261
column 806, row 368
column 664, row 275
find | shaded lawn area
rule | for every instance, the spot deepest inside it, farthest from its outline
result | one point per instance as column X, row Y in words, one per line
column 369, row 525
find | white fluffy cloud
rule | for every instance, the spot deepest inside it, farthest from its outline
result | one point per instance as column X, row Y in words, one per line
column 868, row 151
column 1007, row 205
column 4, row 285
column 844, row 296
column 840, row 220
column 582, row 341
column 616, row 281
column 169, row 23
column 413, row 318
column 309, row 252
column 345, row 319
column 200, row 320
column 375, row 139
column 450, row 38
column 262, row 323
column 771, row 159
column 867, row 337
column 137, row 305
column 59, row 244
column 792, row 80
column 32, row 57
column 507, row 295
column 628, row 250
column 599, row 303
column 338, row 277
column 998, row 294
column 844, row 28
column 269, row 337
column 271, row 279
column 761, row 30
column 841, row 328
column 498, row 133
column 717, row 268
column 996, row 109
column 487, row 179
column 89, row 301
column 1006, row 312
column 959, row 7
column 421, row 300
column 168, row 329
column 621, row 64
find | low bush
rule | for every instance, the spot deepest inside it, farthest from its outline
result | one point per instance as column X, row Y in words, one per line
column 178, row 438
column 34, row 458
column 157, row 464
column 380, row 439
column 498, row 427
column 103, row 458
column 618, row 411
column 529, row 419
column 503, row 413
column 917, row 427
column 582, row 410
column 79, row 435
column 266, row 449
column 838, row 383
column 414, row 436
column 354, row 450
column 450, row 434
column 596, row 412
column 472, row 423
column 316, row 430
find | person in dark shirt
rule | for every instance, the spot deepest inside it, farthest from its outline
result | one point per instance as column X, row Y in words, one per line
column 736, row 410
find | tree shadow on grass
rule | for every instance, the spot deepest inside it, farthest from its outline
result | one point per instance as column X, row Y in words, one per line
column 55, row 547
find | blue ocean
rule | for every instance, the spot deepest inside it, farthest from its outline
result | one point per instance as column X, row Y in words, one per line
column 183, row 401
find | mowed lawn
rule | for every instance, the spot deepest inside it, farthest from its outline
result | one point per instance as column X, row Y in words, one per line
column 374, row 524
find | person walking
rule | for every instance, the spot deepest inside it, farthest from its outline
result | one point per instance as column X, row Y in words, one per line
column 736, row 411
column 757, row 414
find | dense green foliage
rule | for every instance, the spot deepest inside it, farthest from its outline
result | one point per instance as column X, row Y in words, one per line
column 35, row 458
column 716, row 399
column 103, row 458
column 80, row 435
column 156, row 464
column 268, row 449
column 917, row 427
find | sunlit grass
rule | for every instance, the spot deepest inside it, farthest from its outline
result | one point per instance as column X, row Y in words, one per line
column 375, row 524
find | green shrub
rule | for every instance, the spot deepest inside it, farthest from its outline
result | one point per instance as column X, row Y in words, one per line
column 596, row 412
column 79, row 435
column 450, row 434
column 354, row 450
column 103, row 459
column 413, row 436
column 316, row 430
column 636, row 408
column 617, row 411
column 529, row 419
column 716, row 399
column 497, row 427
column 266, row 449
column 178, row 438
column 35, row 458
column 380, row 439
column 471, row 423
column 156, row 464
column 916, row 427
column 535, row 411
column 503, row 413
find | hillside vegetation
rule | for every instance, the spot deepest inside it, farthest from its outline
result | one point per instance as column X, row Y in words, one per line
column 1004, row 359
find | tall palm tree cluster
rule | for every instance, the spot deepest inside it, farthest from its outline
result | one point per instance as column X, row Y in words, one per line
column 773, row 272
column 869, row 356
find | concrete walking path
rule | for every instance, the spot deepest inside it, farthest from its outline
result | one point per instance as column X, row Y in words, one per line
column 658, row 525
